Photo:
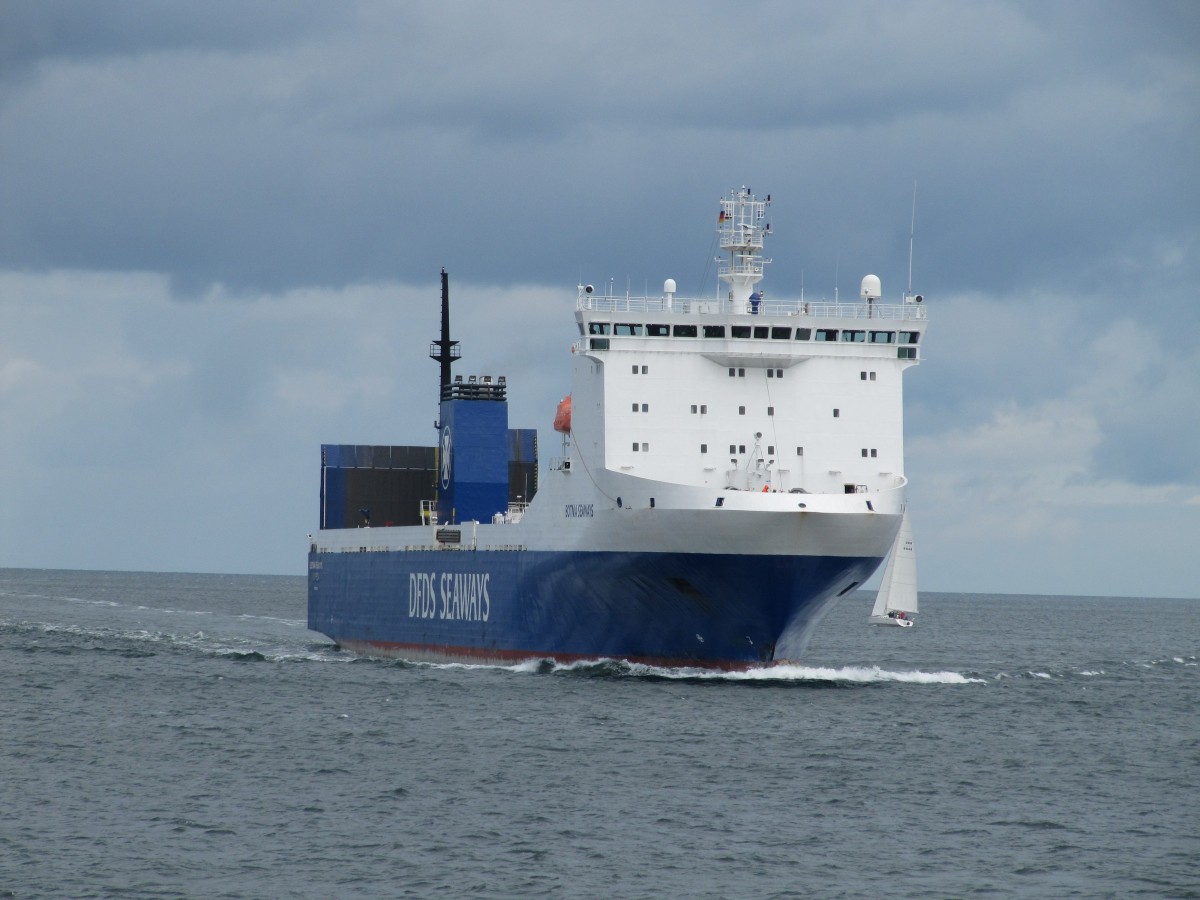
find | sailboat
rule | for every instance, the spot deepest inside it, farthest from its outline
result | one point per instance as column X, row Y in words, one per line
column 897, row 599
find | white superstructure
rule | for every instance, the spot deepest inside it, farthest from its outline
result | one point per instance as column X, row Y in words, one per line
column 746, row 392
column 763, row 407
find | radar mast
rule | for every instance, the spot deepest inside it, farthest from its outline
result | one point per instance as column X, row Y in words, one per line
column 741, row 225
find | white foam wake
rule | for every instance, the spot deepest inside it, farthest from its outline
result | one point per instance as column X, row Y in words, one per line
column 853, row 674
column 788, row 672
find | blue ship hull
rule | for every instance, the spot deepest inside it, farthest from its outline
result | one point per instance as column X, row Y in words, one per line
column 675, row 609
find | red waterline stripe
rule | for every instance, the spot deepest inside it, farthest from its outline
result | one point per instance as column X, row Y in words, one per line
column 440, row 653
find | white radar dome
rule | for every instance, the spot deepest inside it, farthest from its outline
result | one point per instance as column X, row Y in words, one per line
column 669, row 286
column 871, row 289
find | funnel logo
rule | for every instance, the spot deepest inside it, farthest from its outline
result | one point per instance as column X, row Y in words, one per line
column 446, row 449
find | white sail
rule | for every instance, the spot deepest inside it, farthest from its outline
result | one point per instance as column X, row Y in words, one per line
column 898, row 590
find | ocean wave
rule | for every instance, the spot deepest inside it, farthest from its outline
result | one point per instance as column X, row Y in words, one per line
column 142, row 642
column 176, row 611
column 111, row 604
column 1110, row 669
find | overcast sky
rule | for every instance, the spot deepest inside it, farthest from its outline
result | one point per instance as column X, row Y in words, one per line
column 222, row 223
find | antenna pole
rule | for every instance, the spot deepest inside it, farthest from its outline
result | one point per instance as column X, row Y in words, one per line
column 911, row 230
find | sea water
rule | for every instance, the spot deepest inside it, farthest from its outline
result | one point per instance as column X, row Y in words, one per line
column 169, row 735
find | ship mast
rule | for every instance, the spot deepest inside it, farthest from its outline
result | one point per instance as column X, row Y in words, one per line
column 741, row 226
column 445, row 351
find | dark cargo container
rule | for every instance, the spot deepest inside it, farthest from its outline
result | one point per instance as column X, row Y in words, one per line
column 382, row 485
column 365, row 485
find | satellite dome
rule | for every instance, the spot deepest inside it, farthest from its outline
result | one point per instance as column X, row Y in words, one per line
column 871, row 289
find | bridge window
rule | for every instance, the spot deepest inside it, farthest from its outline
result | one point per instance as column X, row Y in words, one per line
column 685, row 331
column 883, row 337
column 599, row 343
column 739, row 331
column 854, row 336
column 627, row 329
column 657, row 330
column 909, row 337
column 781, row 334
column 827, row 334
column 760, row 331
column 803, row 334
column 597, row 328
column 714, row 331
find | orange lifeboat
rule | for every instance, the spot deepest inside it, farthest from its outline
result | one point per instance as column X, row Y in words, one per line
column 562, row 416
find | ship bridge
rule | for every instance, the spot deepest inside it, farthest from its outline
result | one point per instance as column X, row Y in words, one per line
column 705, row 322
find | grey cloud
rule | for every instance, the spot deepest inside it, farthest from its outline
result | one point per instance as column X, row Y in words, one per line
column 44, row 31
column 381, row 141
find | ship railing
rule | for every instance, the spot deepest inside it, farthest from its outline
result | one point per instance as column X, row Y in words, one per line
column 744, row 265
column 800, row 308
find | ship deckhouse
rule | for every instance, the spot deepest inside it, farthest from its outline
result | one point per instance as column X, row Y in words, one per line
column 746, row 392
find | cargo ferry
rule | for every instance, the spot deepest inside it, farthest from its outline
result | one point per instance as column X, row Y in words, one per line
column 724, row 471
